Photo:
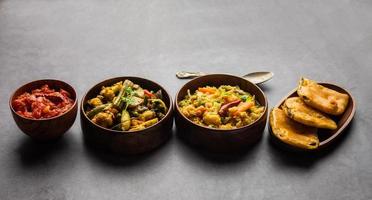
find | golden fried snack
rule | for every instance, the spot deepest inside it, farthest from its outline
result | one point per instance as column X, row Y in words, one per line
column 322, row 98
column 297, row 110
column 291, row 132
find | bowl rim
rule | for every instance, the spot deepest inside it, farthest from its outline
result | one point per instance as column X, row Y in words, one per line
column 340, row 129
column 218, row 129
column 169, row 112
column 43, row 119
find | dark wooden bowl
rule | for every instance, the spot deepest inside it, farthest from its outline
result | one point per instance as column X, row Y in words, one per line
column 131, row 142
column 45, row 129
column 218, row 140
column 326, row 137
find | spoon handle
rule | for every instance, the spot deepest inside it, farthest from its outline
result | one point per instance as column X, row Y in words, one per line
column 187, row 75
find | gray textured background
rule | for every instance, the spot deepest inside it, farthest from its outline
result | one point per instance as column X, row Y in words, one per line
column 84, row 42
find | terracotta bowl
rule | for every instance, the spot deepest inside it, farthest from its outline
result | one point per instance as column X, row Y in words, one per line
column 218, row 140
column 326, row 137
column 130, row 142
column 45, row 129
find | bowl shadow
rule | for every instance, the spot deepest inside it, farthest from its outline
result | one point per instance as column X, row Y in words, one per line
column 264, row 87
column 218, row 158
column 33, row 152
column 115, row 159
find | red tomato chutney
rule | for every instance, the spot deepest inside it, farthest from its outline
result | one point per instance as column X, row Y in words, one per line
column 43, row 103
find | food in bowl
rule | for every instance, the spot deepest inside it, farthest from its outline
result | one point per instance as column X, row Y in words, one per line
column 43, row 103
column 44, row 109
column 220, row 140
column 322, row 98
column 305, row 115
column 297, row 110
column 125, row 106
column 225, row 107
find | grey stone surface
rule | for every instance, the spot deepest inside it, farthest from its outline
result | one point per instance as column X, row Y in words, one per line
column 84, row 42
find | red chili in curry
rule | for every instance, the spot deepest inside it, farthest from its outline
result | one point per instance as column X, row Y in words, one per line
column 43, row 103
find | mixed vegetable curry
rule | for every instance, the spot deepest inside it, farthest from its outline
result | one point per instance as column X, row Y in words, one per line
column 225, row 107
column 126, row 106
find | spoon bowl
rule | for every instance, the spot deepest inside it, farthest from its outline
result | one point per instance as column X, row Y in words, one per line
column 259, row 77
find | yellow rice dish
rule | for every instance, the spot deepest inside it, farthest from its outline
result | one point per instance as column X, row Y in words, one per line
column 225, row 107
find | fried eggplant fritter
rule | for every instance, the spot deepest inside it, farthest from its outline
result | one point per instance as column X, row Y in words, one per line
column 297, row 110
column 322, row 98
column 291, row 132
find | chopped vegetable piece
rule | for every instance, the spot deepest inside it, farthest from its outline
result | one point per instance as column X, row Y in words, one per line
column 97, row 110
column 244, row 106
column 224, row 107
column 125, row 120
column 149, row 94
column 208, row 90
